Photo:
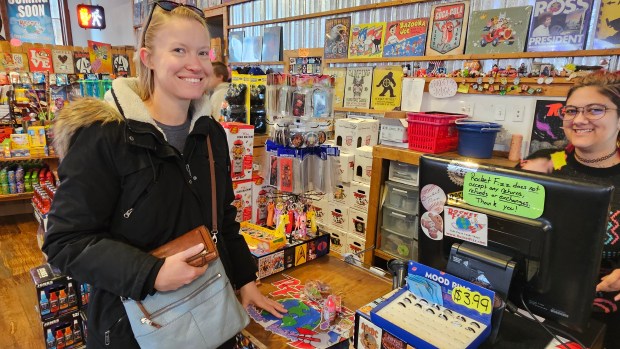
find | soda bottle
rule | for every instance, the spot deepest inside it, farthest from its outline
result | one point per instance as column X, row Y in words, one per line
column 53, row 302
column 60, row 339
column 68, row 336
column 50, row 341
column 62, row 299
column 44, row 304
column 71, row 296
column 77, row 332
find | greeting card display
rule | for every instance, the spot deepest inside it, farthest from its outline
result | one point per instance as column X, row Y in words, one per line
column 556, row 27
column 405, row 38
column 447, row 27
column 358, row 85
column 63, row 61
column 608, row 27
column 40, row 59
column 366, row 40
column 337, row 37
column 499, row 30
column 100, row 57
column 82, row 62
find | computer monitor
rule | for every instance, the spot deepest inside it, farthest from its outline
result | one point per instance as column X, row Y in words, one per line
column 553, row 228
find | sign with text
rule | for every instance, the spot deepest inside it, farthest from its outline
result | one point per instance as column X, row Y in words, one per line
column 31, row 21
column 466, row 225
column 504, row 194
column 91, row 16
column 442, row 87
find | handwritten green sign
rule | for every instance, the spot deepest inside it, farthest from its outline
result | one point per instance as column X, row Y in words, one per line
column 504, row 194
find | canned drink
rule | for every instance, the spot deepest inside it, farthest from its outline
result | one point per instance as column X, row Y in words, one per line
column 4, row 187
column 11, row 176
column 19, row 174
column 12, row 188
column 20, row 187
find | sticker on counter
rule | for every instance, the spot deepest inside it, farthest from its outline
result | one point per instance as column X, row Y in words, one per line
column 433, row 198
column 504, row 194
column 432, row 225
column 458, row 169
column 466, row 225
column 369, row 334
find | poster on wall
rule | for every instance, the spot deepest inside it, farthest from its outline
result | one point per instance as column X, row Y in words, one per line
column 498, row 30
column 447, row 27
column 100, row 56
column 337, row 37
column 405, row 38
column 31, row 21
column 547, row 130
column 366, row 40
column 556, row 27
column 2, row 33
column 608, row 26
column 120, row 63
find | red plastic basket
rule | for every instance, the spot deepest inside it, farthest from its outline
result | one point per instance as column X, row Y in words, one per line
column 433, row 132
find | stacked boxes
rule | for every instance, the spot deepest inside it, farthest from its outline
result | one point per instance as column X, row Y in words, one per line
column 60, row 299
column 241, row 149
column 347, row 206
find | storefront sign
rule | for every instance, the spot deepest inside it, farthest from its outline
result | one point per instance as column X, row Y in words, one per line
column 31, row 21
column 91, row 16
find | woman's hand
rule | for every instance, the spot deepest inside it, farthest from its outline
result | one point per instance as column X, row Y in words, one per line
column 610, row 283
column 176, row 272
column 251, row 295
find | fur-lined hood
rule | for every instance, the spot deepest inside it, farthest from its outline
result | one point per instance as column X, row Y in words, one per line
column 86, row 111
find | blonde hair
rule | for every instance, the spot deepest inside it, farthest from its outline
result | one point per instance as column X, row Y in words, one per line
column 159, row 18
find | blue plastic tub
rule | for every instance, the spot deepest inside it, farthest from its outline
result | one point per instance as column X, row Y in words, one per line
column 477, row 138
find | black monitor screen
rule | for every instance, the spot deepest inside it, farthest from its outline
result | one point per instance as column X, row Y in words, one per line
column 552, row 228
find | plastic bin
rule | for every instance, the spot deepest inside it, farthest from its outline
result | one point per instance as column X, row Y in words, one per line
column 398, row 245
column 402, row 197
column 433, row 132
column 405, row 224
column 477, row 138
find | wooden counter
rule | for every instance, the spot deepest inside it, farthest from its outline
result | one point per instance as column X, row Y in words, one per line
column 357, row 285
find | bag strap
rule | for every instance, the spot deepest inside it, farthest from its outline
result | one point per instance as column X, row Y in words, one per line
column 214, row 230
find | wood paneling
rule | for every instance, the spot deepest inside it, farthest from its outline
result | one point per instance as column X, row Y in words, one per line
column 20, row 324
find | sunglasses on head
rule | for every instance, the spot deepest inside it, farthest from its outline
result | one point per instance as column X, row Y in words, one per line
column 168, row 6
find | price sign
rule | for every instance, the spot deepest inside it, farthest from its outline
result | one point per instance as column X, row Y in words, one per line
column 472, row 300
column 303, row 52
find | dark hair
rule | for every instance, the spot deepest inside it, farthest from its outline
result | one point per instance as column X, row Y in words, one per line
column 392, row 26
column 220, row 69
column 543, row 17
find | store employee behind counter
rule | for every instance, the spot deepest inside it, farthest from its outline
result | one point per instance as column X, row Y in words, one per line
column 126, row 190
column 591, row 123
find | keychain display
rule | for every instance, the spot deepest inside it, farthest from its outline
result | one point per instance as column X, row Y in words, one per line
column 235, row 96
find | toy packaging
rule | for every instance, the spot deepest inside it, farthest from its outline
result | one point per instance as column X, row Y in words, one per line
column 262, row 197
column 243, row 200
column 241, row 144
column 65, row 331
column 363, row 164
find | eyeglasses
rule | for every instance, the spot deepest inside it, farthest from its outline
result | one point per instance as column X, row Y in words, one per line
column 590, row 111
column 168, row 6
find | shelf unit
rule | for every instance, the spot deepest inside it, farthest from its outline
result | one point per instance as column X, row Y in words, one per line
column 256, row 63
column 11, row 203
column 381, row 157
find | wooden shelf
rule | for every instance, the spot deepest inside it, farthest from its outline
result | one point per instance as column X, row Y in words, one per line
column 413, row 156
column 552, row 54
column 27, row 158
column 257, row 63
column 359, row 110
column 15, row 197
column 384, row 255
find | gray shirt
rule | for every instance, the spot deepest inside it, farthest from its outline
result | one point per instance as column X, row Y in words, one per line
column 176, row 135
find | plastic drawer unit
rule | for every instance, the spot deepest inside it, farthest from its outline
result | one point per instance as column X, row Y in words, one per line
column 402, row 223
column 398, row 245
column 402, row 197
column 403, row 172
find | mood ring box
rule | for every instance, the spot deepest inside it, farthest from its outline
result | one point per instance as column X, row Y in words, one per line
column 436, row 310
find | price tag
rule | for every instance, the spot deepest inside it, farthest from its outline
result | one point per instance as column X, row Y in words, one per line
column 472, row 300
column 303, row 52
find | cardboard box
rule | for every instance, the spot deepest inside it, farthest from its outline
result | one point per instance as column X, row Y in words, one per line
column 338, row 240
column 355, row 244
column 357, row 223
column 393, row 130
column 340, row 194
column 338, row 216
column 363, row 164
column 243, row 200
column 241, row 143
column 354, row 133
column 322, row 209
column 294, row 254
column 347, row 162
column 57, row 294
column 36, row 136
column 20, row 146
column 360, row 197
column 65, row 331
column 261, row 239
